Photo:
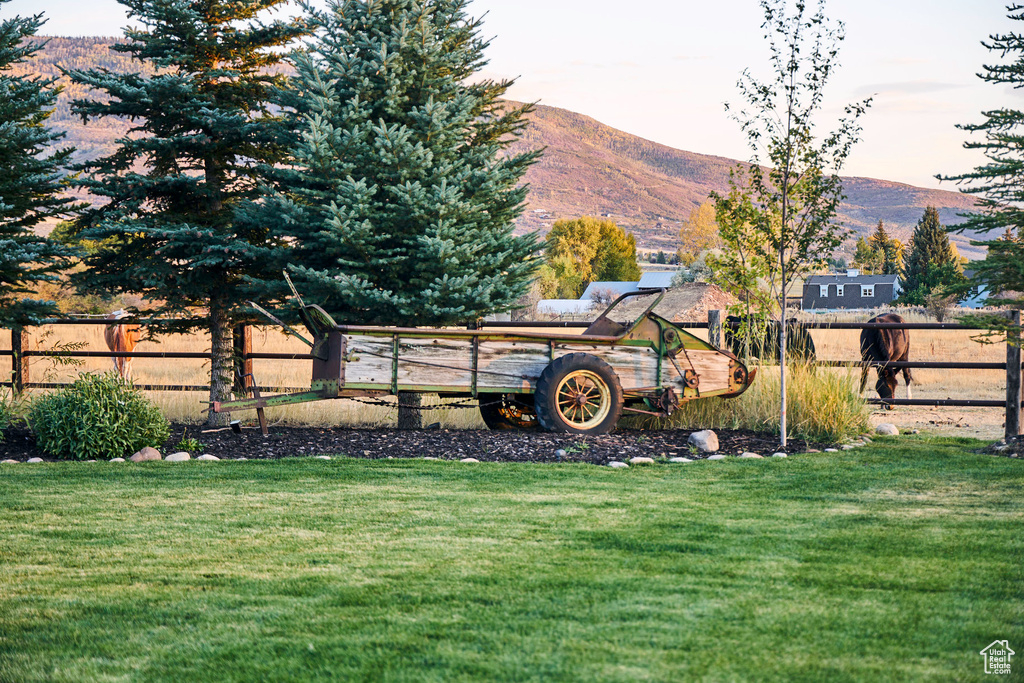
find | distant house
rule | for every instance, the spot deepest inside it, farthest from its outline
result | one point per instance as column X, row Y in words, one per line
column 852, row 290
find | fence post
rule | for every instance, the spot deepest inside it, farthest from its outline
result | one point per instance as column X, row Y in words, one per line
column 715, row 328
column 19, row 345
column 1013, row 389
column 241, row 356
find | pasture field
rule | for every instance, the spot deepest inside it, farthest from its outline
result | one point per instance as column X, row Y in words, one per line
column 895, row 562
column 936, row 345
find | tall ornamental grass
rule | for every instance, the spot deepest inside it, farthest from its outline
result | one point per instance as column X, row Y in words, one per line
column 97, row 417
column 823, row 406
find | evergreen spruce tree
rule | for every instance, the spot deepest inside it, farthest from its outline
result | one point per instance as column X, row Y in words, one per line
column 30, row 181
column 932, row 263
column 201, row 126
column 889, row 248
column 998, row 184
column 399, row 203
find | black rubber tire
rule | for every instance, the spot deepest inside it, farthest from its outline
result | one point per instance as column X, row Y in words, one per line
column 508, row 411
column 546, row 398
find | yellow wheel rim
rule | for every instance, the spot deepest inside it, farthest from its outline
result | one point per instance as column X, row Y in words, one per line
column 510, row 411
column 583, row 399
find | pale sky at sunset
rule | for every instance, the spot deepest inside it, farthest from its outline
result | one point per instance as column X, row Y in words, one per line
column 662, row 69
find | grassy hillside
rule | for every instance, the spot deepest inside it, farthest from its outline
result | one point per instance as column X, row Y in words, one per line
column 588, row 169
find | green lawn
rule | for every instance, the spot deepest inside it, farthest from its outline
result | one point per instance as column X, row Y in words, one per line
column 895, row 562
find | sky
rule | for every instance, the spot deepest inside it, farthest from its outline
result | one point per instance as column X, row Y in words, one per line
column 664, row 69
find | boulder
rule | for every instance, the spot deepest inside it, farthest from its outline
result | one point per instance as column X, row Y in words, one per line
column 8, row 461
column 831, row 450
column 887, row 429
column 705, row 441
column 181, row 456
column 846, row 447
column 617, row 465
column 560, row 454
column 117, row 460
column 750, row 455
column 680, row 460
column 35, row 460
column 323, row 457
column 469, row 460
column 809, row 450
column 207, row 456
column 780, row 454
column 715, row 457
column 146, row 454
column 641, row 460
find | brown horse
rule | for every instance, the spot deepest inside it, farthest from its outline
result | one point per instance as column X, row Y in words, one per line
column 883, row 346
column 121, row 339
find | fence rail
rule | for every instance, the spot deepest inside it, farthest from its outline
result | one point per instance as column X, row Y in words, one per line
column 244, row 357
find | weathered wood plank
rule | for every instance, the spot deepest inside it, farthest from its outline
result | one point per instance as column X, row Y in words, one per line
column 711, row 367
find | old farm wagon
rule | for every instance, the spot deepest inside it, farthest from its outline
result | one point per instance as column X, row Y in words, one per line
column 560, row 382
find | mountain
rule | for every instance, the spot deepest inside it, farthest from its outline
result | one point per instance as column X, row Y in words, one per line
column 592, row 169
column 588, row 168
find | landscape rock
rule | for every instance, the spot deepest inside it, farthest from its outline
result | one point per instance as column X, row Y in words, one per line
column 469, row 460
column 181, row 456
column 887, row 429
column 809, row 450
column 780, row 454
column 10, row 462
column 560, row 454
column 641, row 460
column 705, row 441
column 680, row 460
column 116, row 460
column 323, row 457
column 617, row 465
column 846, row 447
column 915, row 431
column 751, row 455
column 35, row 460
column 207, row 456
column 831, row 450
column 241, row 459
column 715, row 457
column 146, row 454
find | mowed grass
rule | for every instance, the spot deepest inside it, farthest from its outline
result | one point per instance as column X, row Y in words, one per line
column 900, row 561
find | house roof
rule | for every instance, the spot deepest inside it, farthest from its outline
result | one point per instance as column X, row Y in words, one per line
column 689, row 302
column 619, row 287
column 656, row 279
column 856, row 280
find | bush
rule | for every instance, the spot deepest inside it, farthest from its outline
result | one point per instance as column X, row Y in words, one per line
column 10, row 408
column 99, row 416
column 823, row 406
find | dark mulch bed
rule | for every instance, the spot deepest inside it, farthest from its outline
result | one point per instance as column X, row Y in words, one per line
column 506, row 446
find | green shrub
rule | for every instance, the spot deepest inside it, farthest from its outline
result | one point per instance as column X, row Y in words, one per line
column 10, row 408
column 823, row 406
column 99, row 416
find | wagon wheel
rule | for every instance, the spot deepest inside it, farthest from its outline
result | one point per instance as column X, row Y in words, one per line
column 508, row 411
column 579, row 394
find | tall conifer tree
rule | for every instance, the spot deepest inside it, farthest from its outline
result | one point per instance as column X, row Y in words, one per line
column 400, row 202
column 201, row 127
column 999, row 182
column 30, row 178
column 932, row 262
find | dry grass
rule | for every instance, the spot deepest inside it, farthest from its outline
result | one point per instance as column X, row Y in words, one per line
column 936, row 345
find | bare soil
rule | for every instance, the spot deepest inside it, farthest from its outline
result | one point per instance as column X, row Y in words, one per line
column 484, row 445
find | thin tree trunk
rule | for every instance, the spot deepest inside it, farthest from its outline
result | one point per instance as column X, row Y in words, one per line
column 782, row 363
column 221, row 362
column 409, row 415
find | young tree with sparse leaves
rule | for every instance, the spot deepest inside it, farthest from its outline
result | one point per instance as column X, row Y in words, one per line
column 399, row 202
column 793, row 182
column 201, row 128
column 30, row 179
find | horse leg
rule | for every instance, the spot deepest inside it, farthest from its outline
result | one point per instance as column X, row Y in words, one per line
column 908, row 379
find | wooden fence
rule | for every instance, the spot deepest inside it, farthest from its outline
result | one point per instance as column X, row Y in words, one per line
column 244, row 357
